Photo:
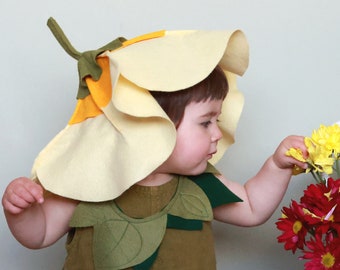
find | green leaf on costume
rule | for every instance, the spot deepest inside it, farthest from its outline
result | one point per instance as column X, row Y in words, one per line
column 130, row 242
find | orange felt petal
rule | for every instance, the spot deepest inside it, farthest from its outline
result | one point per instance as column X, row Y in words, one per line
column 144, row 37
column 86, row 108
column 101, row 92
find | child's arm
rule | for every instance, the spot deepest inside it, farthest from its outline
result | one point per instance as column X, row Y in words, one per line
column 35, row 221
column 262, row 194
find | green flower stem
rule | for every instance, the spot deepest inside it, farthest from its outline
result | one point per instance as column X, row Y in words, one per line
column 337, row 167
column 317, row 177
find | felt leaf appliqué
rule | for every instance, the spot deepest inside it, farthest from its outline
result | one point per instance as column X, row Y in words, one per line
column 130, row 242
column 192, row 203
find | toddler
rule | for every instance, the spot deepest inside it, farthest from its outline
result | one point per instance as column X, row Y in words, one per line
column 131, row 178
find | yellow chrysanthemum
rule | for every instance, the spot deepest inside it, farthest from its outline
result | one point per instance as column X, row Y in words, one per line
column 321, row 158
column 296, row 153
column 323, row 148
column 327, row 137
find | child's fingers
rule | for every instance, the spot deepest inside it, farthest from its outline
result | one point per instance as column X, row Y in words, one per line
column 20, row 197
column 35, row 191
column 10, row 206
column 280, row 156
column 298, row 163
column 20, row 194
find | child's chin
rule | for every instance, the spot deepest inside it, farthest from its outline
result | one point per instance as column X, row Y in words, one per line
column 199, row 169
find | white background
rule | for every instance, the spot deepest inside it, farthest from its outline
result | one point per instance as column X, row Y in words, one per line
column 291, row 87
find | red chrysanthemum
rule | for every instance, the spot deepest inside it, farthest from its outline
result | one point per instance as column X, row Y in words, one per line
column 322, row 206
column 291, row 225
column 313, row 224
column 323, row 255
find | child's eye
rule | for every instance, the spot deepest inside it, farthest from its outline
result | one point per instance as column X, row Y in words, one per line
column 206, row 124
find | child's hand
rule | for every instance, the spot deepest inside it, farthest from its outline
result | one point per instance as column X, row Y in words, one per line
column 283, row 161
column 20, row 194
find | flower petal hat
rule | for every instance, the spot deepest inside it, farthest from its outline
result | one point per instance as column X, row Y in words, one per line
column 118, row 134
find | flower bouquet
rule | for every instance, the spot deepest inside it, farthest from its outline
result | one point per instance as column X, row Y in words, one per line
column 313, row 224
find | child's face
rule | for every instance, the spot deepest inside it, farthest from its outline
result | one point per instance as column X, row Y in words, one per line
column 197, row 138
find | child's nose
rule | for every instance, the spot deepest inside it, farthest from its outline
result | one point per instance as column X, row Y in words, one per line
column 216, row 134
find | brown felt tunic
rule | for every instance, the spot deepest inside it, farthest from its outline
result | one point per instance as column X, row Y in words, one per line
column 180, row 249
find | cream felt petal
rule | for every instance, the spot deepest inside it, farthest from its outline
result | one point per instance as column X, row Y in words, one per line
column 119, row 134
column 84, row 160
column 231, row 112
column 181, row 59
column 91, row 161
column 66, row 164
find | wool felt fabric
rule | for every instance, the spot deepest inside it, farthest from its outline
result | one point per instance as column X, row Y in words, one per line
column 121, row 241
column 134, row 240
column 118, row 134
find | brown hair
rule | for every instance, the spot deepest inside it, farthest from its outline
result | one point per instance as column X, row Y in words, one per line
column 213, row 87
